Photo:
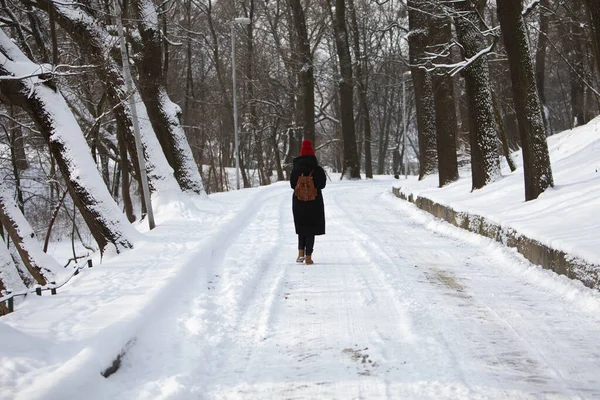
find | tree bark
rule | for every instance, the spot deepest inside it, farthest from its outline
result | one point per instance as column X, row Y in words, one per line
column 423, row 87
column 540, row 58
column 445, row 110
column 165, row 116
column 362, row 86
column 593, row 9
column 351, row 167
column 306, row 79
column 536, row 159
column 483, row 135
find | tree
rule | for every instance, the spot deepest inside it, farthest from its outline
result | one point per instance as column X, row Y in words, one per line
column 483, row 135
column 49, row 110
column 536, row 159
column 90, row 35
column 361, row 73
column 418, row 17
column 443, row 91
column 164, row 114
column 351, row 168
column 306, row 78
column 41, row 266
column 540, row 57
column 10, row 280
column 593, row 9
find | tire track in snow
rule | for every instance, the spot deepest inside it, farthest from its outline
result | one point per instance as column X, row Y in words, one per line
column 497, row 329
column 400, row 290
column 169, row 336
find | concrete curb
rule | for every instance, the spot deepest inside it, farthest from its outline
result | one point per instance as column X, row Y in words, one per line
column 536, row 252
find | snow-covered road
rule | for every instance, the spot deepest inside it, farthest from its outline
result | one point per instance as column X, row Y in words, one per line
column 396, row 306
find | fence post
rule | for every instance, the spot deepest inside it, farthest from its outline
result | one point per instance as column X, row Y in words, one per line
column 89, row 263
column 11, row 305
column 53, row 291
column 38, row 291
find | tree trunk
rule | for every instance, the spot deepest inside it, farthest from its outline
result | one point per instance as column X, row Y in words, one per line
column 362, row 84
column 125, row 178
column 306, row 79
column 536, row 159
column 9, row 276
column 593, row 9
column 503, row 138
column 540, row 59
column 577, row 74
column 40, row 265
column 49, row 110
column 351, row 168
column 423, row 87
column 445, row 110
column 483, row 135
column 164, row 114
column 90, row 36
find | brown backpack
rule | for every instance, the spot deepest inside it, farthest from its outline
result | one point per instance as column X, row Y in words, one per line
column 305, row 188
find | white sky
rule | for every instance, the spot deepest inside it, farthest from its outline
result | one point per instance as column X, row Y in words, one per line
column 211, row 304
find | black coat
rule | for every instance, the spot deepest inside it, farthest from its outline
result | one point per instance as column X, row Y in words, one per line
column 309, row 216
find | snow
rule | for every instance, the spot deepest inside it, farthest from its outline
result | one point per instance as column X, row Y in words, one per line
column 564, row 217
column 211, row 304
column 68, row 135
column 48, row 266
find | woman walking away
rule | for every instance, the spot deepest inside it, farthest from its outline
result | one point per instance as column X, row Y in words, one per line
column 307, row 180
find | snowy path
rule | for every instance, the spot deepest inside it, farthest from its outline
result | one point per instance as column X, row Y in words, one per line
column 390, row 310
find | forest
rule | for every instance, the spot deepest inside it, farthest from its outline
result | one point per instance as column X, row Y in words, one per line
column 105, row 104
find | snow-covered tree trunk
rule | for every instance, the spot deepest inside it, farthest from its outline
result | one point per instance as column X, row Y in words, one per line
column 445, row 110
column 95, row 41
column 10, row 280
column 536, row 159
column 164, row 114
column 44, row 103
column 483, row 136
column 40, row 265
column 423, row 87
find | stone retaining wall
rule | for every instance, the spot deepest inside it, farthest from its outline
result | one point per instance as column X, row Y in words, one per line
column 536, row 252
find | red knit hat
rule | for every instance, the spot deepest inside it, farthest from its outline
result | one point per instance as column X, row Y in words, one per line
column 307, row 149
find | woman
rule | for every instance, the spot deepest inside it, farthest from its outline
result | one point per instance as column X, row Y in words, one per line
column 309, row 216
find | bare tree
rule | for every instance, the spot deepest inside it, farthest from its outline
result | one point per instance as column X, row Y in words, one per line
column 443, row 91
column 165, row 115
column 483, row 136
column 418, row 17
column 306, row 78
column 593, row 9
column 361, row 74
column 41, row 266
column 10, row 280
column 536, row 160
column 351, row 168
column 94, row 40
column 47, row 107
